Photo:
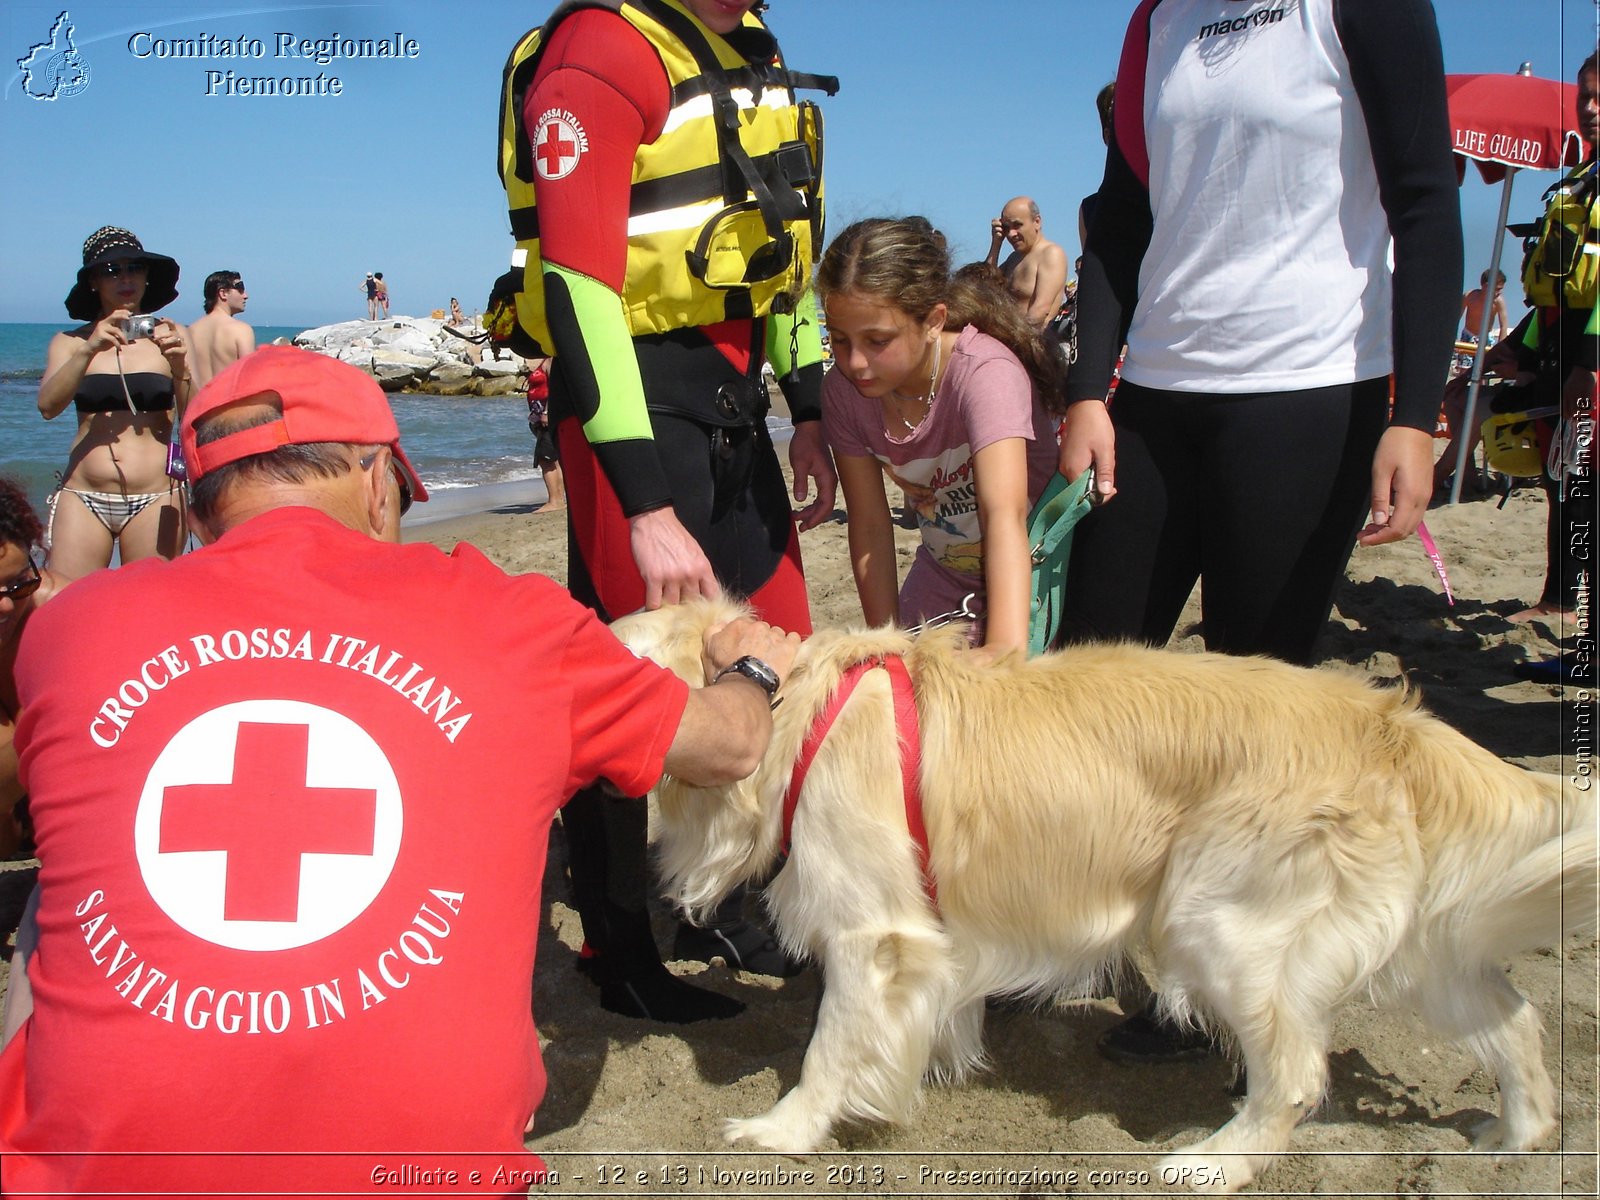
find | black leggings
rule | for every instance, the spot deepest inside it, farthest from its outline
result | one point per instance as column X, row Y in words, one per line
column 729, row 492
column 1259, row 496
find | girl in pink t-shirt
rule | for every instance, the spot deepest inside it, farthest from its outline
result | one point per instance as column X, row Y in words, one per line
column 941, row 386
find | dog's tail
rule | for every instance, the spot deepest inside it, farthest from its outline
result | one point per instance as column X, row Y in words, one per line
column 1512, row 856
column 1548, row 894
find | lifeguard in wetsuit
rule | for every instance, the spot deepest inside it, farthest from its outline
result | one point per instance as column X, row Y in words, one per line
column 1558, row 345
column 663, row 192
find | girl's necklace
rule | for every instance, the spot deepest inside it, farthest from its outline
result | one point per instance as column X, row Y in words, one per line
column 926, row 399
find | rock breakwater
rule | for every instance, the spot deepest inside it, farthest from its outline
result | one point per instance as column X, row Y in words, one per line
column 421, row 354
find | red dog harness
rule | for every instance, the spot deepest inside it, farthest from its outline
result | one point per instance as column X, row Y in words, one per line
column 910, row 738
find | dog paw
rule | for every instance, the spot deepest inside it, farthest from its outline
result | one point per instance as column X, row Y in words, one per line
column 766, row 1134
column 1504, row 1135
column 1490, row 1136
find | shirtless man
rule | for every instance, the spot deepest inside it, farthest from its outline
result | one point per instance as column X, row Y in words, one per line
column 219, row 337
column 1472, row 308
column 1036, row 268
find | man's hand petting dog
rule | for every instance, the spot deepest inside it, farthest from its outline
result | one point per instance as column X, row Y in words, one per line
column 727, row 644
column 724, row 733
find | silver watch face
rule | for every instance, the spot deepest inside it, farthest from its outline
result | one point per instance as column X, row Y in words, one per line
column 755, row 669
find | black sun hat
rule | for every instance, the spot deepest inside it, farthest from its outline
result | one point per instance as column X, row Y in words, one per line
column 110, row 244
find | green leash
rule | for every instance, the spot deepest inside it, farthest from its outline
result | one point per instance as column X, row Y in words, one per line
column 1050, row 524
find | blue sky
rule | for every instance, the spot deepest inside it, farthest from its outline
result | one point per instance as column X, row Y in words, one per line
column 947, row 107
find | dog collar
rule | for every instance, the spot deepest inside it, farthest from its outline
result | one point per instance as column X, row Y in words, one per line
column 910, row 739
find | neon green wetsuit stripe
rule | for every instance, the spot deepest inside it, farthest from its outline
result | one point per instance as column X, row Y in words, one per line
column 620, row 414
column 808, row 337
column 1530, row 335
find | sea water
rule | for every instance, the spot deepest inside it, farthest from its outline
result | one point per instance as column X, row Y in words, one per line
column 454, row 442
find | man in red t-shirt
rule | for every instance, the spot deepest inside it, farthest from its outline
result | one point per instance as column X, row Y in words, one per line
column 292, row 828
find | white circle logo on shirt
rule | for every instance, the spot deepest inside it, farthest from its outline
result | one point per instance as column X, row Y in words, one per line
column 558, row 143
column 268, row 824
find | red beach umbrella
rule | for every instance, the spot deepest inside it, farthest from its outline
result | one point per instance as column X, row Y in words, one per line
column 1506, row 124
column 1512, row 122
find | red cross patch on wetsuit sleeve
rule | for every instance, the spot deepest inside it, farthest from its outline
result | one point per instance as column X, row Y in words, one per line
column 600, row 92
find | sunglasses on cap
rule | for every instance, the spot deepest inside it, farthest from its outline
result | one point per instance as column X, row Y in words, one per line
column 23, row 585
column 366, row 462
column 126, row 266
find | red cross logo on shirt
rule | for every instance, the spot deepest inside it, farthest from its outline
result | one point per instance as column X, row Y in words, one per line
column 558, row 144
column 553, row 148
column 266, row 819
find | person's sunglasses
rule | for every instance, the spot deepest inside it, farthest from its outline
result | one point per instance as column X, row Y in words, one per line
column 236, row 286
column 405, row 488
column 23, row 586
column 129, row 266
column 366, row 462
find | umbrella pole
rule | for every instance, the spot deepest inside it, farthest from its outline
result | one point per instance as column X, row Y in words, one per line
column 1476, row 384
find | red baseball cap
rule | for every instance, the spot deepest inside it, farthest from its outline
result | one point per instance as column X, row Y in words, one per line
column 323, row 399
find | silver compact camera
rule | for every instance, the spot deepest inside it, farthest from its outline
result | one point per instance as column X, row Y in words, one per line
column 142, row 326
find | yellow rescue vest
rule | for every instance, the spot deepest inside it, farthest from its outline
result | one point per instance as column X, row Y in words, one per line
column 1564, row 267
column 725, row 216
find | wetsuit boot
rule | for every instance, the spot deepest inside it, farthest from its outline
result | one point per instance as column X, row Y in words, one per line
column 1150, row 1037
column 608, row 861
column 734, row 942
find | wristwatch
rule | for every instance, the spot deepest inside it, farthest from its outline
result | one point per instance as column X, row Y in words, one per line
column 756, row 671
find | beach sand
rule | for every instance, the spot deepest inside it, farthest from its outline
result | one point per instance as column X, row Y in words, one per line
column 627, row 1096
column 1402, row 1105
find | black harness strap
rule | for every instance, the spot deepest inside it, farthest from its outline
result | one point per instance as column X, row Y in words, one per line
column 726, row 112
column 653, row 195
column 813, row 82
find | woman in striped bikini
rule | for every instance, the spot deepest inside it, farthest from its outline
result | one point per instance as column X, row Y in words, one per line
column 127, row 384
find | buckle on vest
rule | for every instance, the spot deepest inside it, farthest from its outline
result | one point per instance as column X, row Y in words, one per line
column 729, row 402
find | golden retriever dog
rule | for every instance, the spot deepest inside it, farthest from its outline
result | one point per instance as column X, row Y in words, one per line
column 1270, row 841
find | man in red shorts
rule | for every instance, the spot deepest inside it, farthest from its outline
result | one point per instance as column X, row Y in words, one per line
column 663, row 187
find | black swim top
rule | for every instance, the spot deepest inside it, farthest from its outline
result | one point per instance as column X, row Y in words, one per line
column 102, row 392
